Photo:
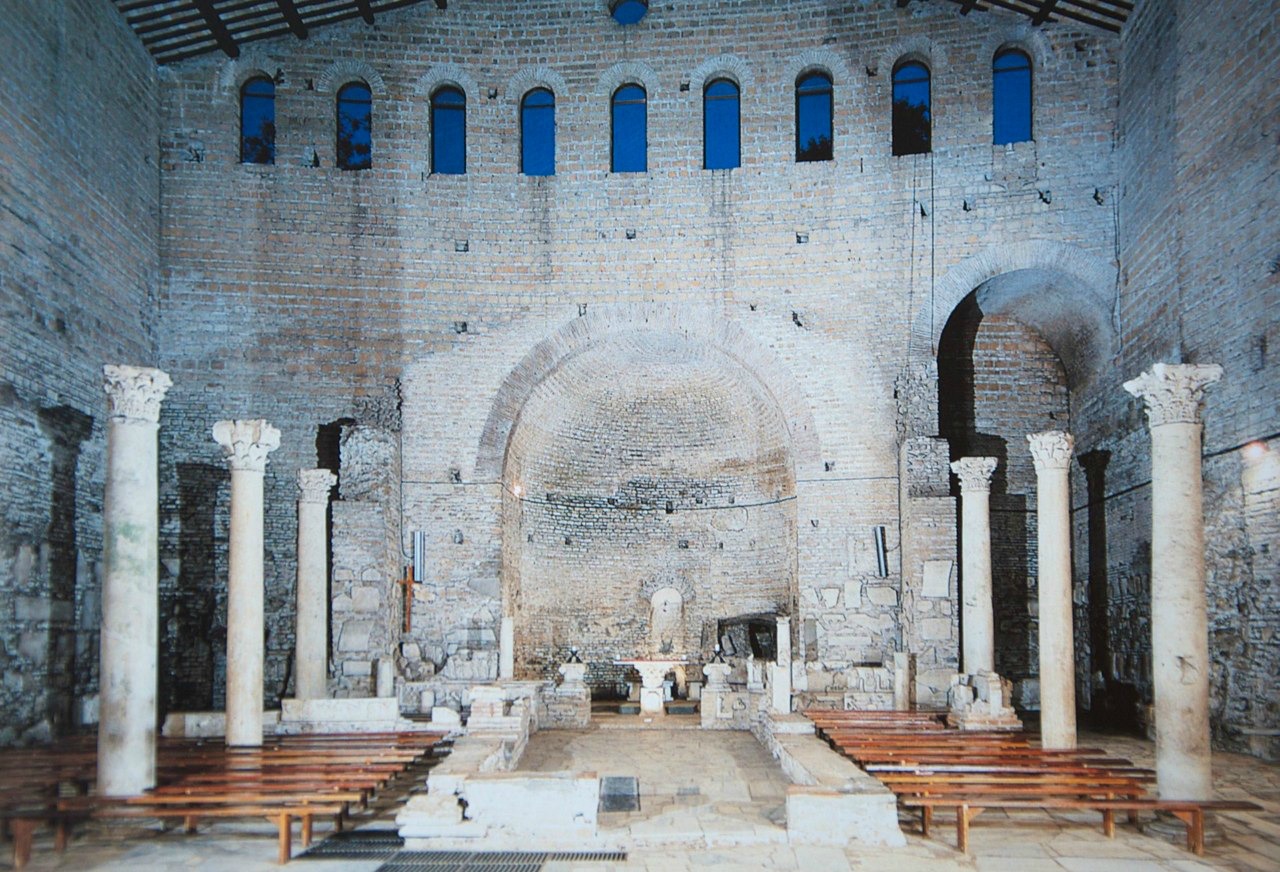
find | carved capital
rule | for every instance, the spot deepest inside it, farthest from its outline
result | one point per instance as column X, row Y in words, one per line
column 1051, row 450
column 247, row 443
column 1172, row 391
column 134, row 392
column 315, row 485
column 974, row 473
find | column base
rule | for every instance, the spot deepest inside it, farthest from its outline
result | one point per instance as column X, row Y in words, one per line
column 980, row 702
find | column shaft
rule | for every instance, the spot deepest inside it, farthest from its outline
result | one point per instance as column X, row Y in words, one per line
column 311, row 668
column 244, row 610
column 1179, row 620
column 977, row 614
column 1052, row 454
column 127, row 682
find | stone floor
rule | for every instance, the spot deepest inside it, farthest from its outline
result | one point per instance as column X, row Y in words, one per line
column 721, row 766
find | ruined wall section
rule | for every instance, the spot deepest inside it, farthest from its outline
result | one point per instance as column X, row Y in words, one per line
column 79, row 204
column 294, row 290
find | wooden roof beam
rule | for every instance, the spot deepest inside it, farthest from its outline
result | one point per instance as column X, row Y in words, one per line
column 1043, row 13
column 292, row 18
column 366, row 11
column 217, row 29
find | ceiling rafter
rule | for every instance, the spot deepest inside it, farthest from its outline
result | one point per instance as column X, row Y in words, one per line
column 175, row 30
column 1107, row 15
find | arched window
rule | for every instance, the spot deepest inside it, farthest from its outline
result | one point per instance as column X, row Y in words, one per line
column 911, row 120
column 721, row 126
column 258, row 121
column 355, row 127
column 814, row 108
column 449, row 131
column 1011, row 96
column 628, row 11
column 630, row 131
column 538, row 133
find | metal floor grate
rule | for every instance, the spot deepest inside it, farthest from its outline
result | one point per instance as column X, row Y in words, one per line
column 491, row 861
column 356, row 845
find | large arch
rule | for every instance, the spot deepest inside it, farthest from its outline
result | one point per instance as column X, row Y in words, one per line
column 642, row 451
column 1064, row 293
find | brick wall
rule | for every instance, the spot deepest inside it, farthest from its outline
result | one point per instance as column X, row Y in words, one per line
column 79, row 221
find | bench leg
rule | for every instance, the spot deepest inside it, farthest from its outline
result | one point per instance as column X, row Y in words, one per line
column 189, row 824
column 1194, row 819
column 285, row 825
column 926, row 818
column 23, row 831
column 1109, row 823
column 61, row 835
column 337, row 822
column 306, row 830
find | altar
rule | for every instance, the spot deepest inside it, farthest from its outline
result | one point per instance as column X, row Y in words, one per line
column 653, row 671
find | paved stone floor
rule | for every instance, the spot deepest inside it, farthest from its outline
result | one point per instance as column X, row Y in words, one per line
column 721, row 768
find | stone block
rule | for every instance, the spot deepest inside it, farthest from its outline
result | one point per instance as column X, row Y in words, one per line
column 935, row 629
column 355, row 636
column 366, row 599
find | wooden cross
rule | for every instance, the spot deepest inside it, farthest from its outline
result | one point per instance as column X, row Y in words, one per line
column 407, row 584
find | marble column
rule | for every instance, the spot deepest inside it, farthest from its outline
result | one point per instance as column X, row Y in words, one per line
column 312, row 638
column 506, row 648
column 1179, row 614
column 977, row 621
column 1051, row 451
column 130, row 583
column 780, row 681
column 246, row 444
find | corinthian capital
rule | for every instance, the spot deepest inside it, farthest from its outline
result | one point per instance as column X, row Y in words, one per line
column 134, row 392
column 315, row 484
column 1172, row 391
column 1051, row 450
column 247, row 443
column 974, row 473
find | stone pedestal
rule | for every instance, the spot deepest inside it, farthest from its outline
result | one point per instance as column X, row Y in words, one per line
column 385, row 683
column 312, row 644
column 246, row 444
column 981, row 702
column 652, row 674
column 1051, row 452
column 1179, row 627
column 904, row 681
column 130, row 529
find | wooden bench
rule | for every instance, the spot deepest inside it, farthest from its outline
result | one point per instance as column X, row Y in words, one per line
column 1190, row 812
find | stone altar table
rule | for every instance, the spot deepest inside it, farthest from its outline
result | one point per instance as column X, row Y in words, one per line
column 652, row 672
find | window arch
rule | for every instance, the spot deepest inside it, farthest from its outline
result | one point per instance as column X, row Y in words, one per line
column 355, row 127
column 630, row 130
column 538, row 133
column 912, row 122
column 814, row 109
column 628, row 11
column 258, row 121
column 721, row 125
column 1010, row 96
column 449, row 131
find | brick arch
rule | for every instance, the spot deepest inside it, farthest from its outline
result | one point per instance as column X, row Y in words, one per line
column 817, row 59
column 627, row 71
column 339, row 73
column 234, row 72
column 528, row 78
column 728, row 66
column 1021, row 35
column 915, row 48
column 601, row 324
column 1062, row 291
column 447, row 74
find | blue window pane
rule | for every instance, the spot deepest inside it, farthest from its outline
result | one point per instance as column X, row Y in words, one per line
column 911, row 119
column 449, row 132
column 721, row 126
column 1011, row 97
column 538, row 133
column 355, row 127
column 814, row 107
column 630, row 131
column 629, row 11
column 258, row 121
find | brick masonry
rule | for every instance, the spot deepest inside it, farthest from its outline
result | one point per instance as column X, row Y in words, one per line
column 773, row 331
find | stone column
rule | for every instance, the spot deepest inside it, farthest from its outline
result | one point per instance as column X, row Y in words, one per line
column 1051, row 451
column 506, row 648
column 780, row 685
column 130, row 605
column 312, row 640
column 1179, row 619
column 977, row 621
column 247, row 444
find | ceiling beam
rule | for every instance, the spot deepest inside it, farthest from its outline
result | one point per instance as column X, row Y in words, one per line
column 1043, row 13
column 366, row 11
column 967, row 6
column 217, row 29
column 292, row 18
